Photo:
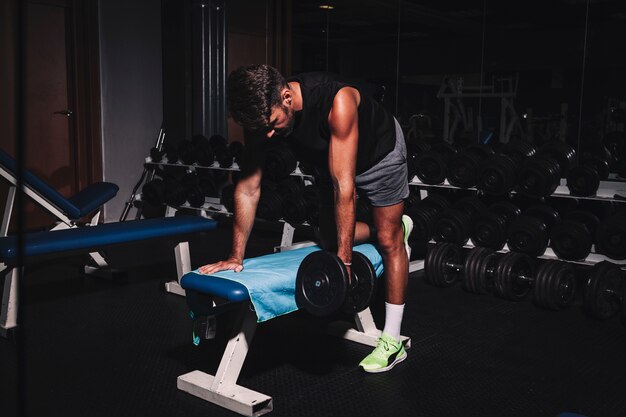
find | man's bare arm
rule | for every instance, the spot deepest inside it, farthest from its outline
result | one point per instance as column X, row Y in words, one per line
column 343, row 122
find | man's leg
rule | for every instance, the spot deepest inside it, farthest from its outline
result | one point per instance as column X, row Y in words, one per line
column 390, row 236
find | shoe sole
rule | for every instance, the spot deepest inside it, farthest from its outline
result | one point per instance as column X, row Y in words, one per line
column 406, row 243
column 388, row 367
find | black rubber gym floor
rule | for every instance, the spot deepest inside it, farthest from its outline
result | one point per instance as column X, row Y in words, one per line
column 93, row 347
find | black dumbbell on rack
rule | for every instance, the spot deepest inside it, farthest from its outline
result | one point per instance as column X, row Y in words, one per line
column 509, row 276
column 584, row 179
column 605, row 290
column 611, row 236
column 540, row 175
column 530, row 232
column 424, row 216
column 490, row 227
column 280, row 162
column 323, row 286
column 431, row 167
column 573, row 238
column 498, row 175
column 464, row 166
column 454, row 225
column 303, row 208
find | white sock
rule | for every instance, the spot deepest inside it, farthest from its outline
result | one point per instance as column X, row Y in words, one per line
column 393, row 319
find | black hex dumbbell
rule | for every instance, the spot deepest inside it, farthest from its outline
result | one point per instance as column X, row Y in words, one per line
column 204, row 154
column 490, row 227
column 540, row 175
column 498, row 175
column 454, row 225
column 573, row 238
column 464, row 167
column 530, row 232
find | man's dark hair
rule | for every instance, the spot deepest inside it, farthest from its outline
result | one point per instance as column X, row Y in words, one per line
column 252, row 92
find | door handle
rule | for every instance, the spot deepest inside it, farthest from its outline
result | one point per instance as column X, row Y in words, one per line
column 68, row 113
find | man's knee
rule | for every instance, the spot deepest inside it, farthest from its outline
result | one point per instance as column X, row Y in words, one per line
column 390, row 239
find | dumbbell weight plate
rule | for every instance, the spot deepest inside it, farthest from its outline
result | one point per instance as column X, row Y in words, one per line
column 436, row 271
column 507, row 278
column 478, row 262
column 361, row 291
column 321, row 283
column 555, row 285
column 571, row 240
column 604, row 290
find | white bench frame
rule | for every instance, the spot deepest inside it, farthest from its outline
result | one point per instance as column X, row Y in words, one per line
column 222, row 389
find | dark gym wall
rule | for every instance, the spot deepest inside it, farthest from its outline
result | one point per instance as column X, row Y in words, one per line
column 132, row 94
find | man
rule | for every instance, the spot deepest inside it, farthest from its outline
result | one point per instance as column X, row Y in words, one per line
column 356, row 145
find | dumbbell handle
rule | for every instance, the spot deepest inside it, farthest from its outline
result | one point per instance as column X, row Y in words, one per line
column 490, row 271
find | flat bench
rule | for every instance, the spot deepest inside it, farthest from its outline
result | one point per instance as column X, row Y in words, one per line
column 89, row 238
column 222, row 388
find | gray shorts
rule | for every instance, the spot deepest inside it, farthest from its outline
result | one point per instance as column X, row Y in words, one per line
column 386, row 183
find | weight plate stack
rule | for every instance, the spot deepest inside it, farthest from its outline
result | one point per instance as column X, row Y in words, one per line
column 539, row 176
column 477, row 270
column 321, row 283
column 431, row 166
column 498, row 175
column 604, row 290
column 361, row 292
column 437, row 265
column 555, row 285
column 513, row 276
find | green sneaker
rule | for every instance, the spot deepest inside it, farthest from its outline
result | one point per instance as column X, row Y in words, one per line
column 385, row 356
column 407, row 227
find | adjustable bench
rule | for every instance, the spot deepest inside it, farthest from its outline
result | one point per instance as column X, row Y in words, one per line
column 91, row 238
column 67, row 211
column 263, row 290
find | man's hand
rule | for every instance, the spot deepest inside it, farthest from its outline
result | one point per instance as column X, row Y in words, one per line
column 230, row 264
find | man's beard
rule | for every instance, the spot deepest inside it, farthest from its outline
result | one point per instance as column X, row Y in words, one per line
column 287, row 130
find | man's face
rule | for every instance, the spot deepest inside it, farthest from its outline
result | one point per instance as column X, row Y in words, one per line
column 281, row 121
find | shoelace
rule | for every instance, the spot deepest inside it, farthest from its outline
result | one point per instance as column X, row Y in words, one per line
column 382, row 345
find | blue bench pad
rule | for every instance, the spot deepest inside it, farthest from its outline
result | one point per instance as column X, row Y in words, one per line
column 268, row 281
column 94, row 237
column 77, row 206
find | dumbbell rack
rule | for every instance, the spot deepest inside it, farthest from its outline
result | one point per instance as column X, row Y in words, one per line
column 609, row 191
column 214, row 207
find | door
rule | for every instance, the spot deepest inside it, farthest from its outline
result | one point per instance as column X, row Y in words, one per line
column 60, row 97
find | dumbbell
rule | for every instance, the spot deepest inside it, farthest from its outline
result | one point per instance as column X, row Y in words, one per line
column 170, row 152
column 573, row 238
column 431, row 167
column 228, row 156
column 540, row 175
column 530, row 232
column 611, row 236
column 203, row 151
column 414, row 149
column 192, row 190
column 280, row 161
column 498, row 175
column 323, row 287
column 464, row 166
column 511, row 276
column 424, row 216
column 584, row 179
column 615, row 143
column 490, row 227
column 164, row 191
column 302, row 208
column 604, row 290
column 454, row 225
column 187, row 152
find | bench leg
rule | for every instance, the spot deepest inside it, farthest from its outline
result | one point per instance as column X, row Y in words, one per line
column 183, row 265
column 8, row 313
column 365, row 333
column 222, row 388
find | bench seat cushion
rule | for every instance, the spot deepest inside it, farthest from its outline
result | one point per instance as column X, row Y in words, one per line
column 269, row 281
column 95, row 237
